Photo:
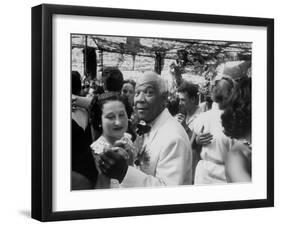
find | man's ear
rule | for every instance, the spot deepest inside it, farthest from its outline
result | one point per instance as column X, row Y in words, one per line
column 164, row 95
column 195, row 100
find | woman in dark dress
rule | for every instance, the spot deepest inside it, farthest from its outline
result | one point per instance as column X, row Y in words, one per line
column 84, row 171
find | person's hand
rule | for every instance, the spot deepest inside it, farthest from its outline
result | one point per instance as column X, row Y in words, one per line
column 203, row 139
column 180, row 118
column 73, row 102
column 113, row 164
column 82, row 102
column 125, row 150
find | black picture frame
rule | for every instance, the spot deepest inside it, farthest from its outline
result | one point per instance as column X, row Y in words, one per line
column 42, row 96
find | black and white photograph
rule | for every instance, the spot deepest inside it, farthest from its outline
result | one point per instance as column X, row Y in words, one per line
column 159, row 112
column 139, row 112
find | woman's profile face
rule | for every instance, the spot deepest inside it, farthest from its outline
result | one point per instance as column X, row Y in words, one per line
column 114, row 120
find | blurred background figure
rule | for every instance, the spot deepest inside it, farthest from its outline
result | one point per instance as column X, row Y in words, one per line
column 176, row 74
column 128, row 90
column 237, row 123
column 236, row 70
column 206, row 101
column 112, row 79
column 189, row 110
column 84, row 171
column 209, row 136
column 79, row 114
column 188, row 106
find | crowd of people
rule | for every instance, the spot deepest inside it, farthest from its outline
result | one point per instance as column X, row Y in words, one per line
column 133, row 134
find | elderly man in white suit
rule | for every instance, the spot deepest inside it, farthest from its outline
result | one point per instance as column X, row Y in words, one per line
column 167, row 149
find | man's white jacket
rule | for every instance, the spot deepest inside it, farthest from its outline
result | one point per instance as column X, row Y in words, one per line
column 169, row 159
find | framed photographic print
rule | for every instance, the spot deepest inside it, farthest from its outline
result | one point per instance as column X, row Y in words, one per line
column 145, row 112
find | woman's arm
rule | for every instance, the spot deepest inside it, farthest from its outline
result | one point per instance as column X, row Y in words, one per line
column 83, row 102
column 237, row 166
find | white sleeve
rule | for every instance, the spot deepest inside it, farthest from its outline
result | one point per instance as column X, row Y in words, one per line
column 173, row 167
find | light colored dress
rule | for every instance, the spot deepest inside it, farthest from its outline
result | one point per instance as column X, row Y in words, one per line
column 211, row 169
column 98, row 147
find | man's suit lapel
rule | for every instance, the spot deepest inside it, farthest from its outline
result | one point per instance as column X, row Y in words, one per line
column 163, row 117
column 151, row 138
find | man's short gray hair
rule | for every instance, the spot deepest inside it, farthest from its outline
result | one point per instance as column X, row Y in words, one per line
column 154, row 78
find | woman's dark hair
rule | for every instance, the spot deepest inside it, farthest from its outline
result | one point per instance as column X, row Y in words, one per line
column 237, row 117
column 173, row 106
column 96, row 109
column 219, row 97
column 76, row 82
column 190, row 88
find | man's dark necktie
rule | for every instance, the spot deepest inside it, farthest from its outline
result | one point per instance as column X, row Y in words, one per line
column 142, row 129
